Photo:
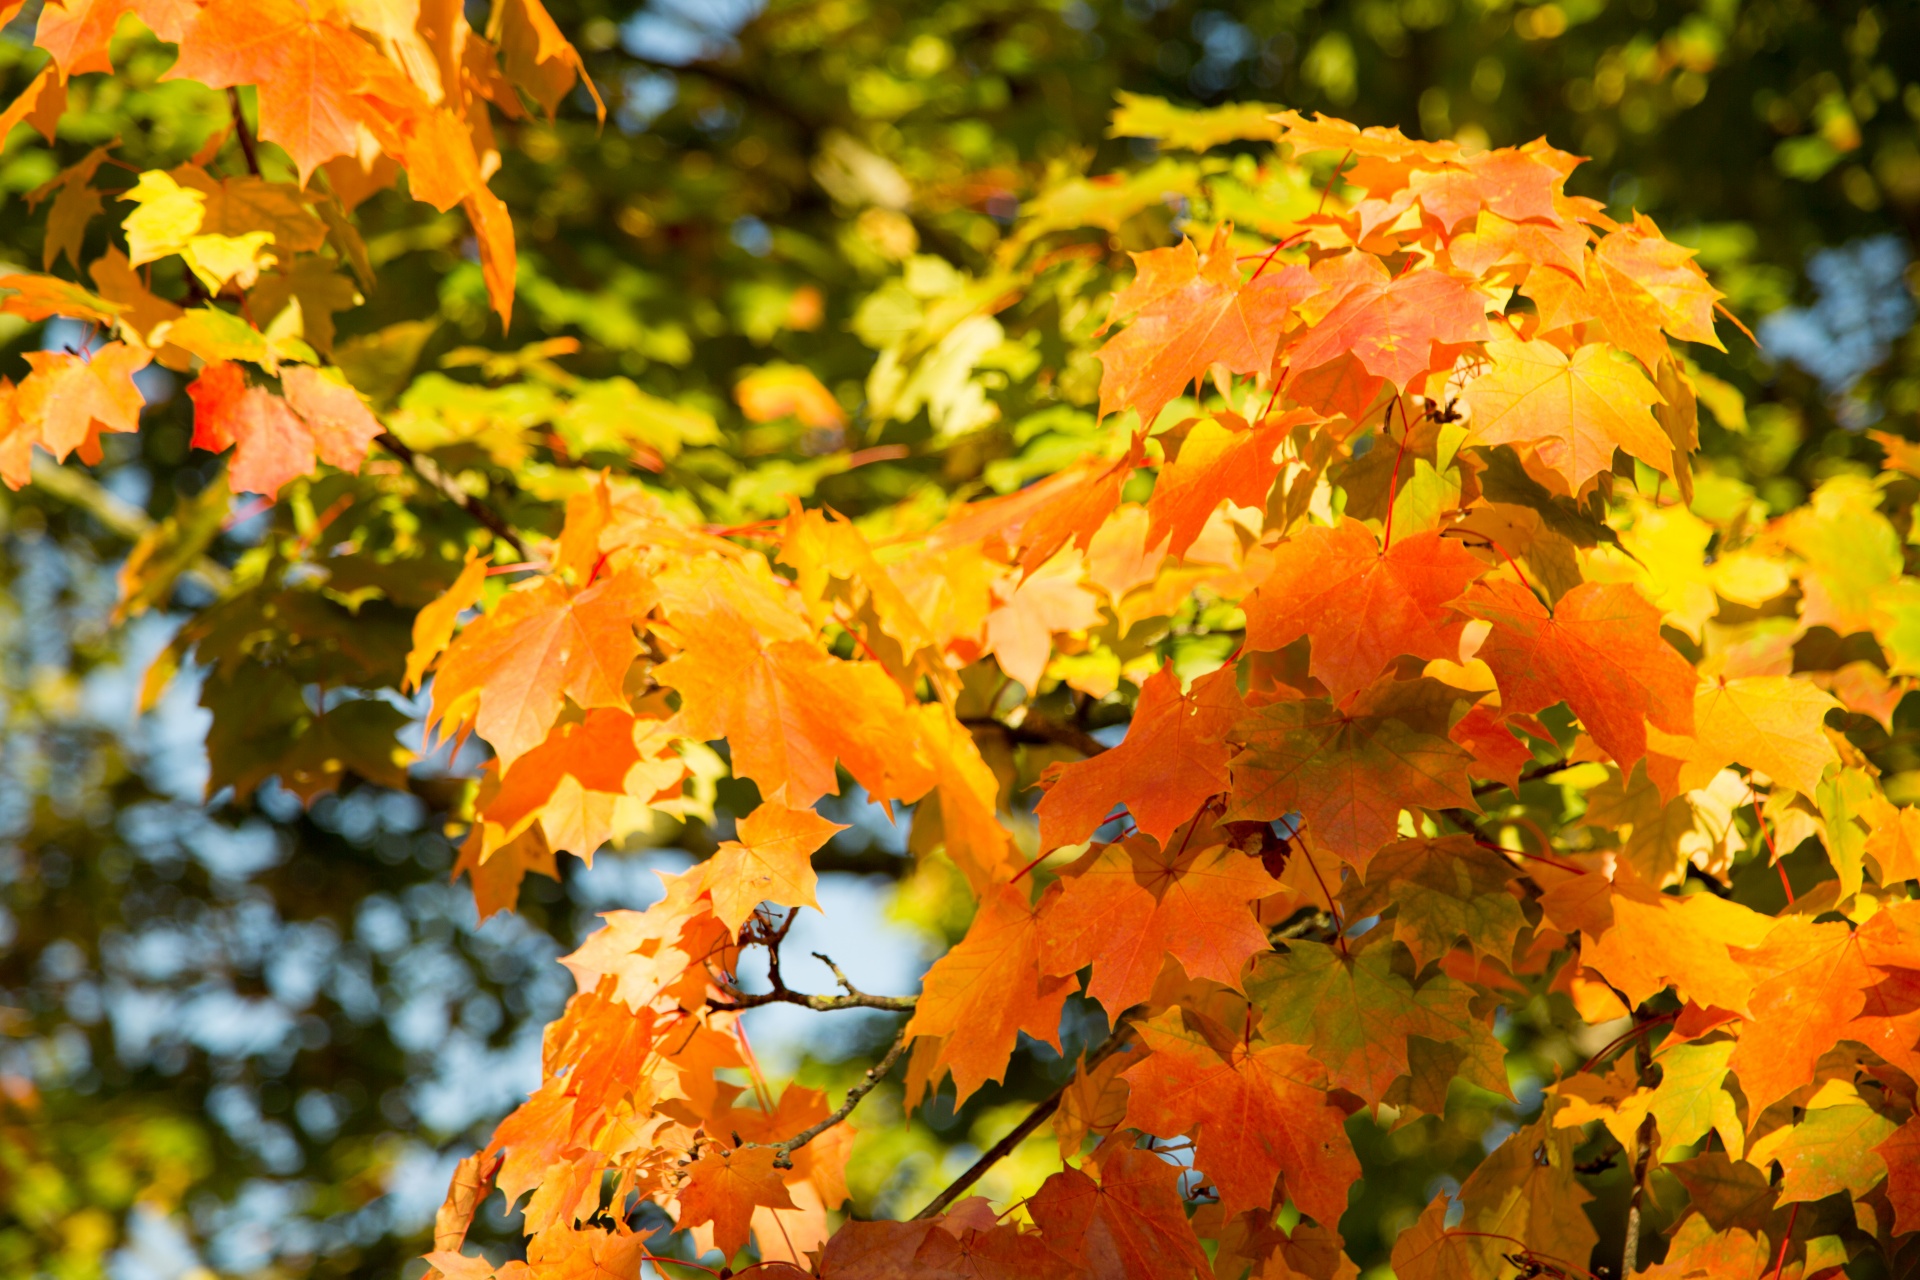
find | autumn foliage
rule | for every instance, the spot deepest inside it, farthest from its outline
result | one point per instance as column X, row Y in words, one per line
column 1418, row 450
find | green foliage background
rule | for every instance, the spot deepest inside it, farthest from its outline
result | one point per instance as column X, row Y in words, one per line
column 236, row 1013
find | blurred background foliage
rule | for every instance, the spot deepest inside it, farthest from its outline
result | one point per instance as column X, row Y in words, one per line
column 244, row 1036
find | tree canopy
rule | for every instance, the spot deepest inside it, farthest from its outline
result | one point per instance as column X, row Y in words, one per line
column 1381, row 695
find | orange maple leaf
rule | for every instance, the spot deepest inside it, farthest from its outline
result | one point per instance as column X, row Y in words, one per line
column 1599, row 650
column 1362, row 606
column 770, row 862
column 983, row 993
column 1573, row 410
column 512, row 669
column 309, row 66
column 73, row 399
column 1129, row 1223
column 1173, row 759
column 1194, row 311
column 1133, row 905
column 1393, row 328
column 1221, row 459
column 1259, row 1110
column 1349, row 773
column 725, row 1186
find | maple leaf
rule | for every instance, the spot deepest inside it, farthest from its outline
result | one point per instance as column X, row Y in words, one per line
column 750, row 670
column 983, row 993
column 657, row 952
column 771, row 862
column 1901, row 1152
column 1130, row 1223
column 512, row 669
column 1771, row 724
column 72, row 399
column 1362, row 606
column 1810, row 984
column 1221, row 459
column 434, row 625
column 308, row 65
column 1650, row 940
column 1258, row 1110
column 1393, row 328
column 1442, row 891
column 1348, row 773
column 1193, row 311
column 1356, row 1015
column 271, row 446
column 342, row 426
column 1573, row 410
column 1172, row 760
column 1135, row 904
column 40, row 104
column 724, row 1187
column 1021, row 626
column 1599, row 650
column 570, row 782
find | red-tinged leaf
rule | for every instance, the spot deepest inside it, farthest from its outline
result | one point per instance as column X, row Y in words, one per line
column 881, row 1250
column 308, row 64
column 1811, row 983
column 1668, row 273
column 725, row 1187
column 1348, row 773
column 73, row 399
column 40, row 104
column 1174, row 758
column 342, row 426
column 989, row 988
column 1195, row 311
column 538, row 647
column 772, row 861
column 1136, row 904
column 1498, row 753
column 1362, row 606
column 1573, row 410
column 1355, row 1014
column 77, row 33
column 1130, row 1224
column 1077, row 514
column 271, row 445
column 1258, row 1111
column 1222, row 459
column 1600, row 651
column 1393, row 328
column 1901, row 1150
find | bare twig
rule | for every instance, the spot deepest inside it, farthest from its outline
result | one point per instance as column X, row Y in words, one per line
column 1642, row 1157
column 429, row 470
column 783, row 1157
column 1034, row 1119
column 1037, row 732
column 1531, row 775
column 820, row 1004
column 245, row 135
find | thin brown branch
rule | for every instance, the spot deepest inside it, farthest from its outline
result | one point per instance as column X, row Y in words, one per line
column 783, row 1157
column 1034, row 1119
column 820, row 1004
column 429, row 470
column 245, row 134
column 1036, row 732
column 1531, row 775
column 1642, row 1157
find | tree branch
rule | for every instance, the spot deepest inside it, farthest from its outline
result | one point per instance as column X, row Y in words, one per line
column 245, row 135
column 783, row 1157
column 429, row 470
column 1035, row 733
column 854, row 998
column 1531, row 775
column 1034, row 1119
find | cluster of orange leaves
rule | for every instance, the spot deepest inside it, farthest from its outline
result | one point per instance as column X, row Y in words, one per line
column 1389, row 680
column 353, row 91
